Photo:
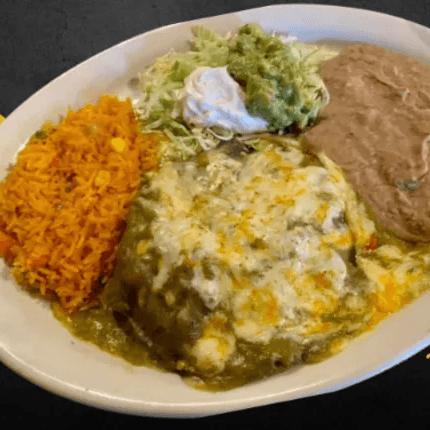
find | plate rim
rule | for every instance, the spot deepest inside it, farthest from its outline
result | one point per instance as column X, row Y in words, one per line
column 188, row 409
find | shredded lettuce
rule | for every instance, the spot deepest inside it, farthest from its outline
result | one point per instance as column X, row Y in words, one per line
column 162, row 83
column 281, row 83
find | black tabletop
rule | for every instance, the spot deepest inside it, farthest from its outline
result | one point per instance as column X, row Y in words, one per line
column 39, row 40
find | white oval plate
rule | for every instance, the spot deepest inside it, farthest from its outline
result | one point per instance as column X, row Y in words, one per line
column 36, row 346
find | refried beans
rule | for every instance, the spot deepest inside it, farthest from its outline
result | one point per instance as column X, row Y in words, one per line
column 377, row 127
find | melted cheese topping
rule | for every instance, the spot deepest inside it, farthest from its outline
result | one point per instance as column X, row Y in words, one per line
column 266, row 239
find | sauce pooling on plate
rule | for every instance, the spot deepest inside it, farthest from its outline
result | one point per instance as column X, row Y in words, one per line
column 236, row 268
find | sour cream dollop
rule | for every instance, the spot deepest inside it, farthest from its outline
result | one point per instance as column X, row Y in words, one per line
column 211, row 97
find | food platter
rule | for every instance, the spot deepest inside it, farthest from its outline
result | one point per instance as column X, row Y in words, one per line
column 36, row 346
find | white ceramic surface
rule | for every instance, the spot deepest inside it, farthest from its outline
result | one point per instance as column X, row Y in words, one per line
column 34, row 344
